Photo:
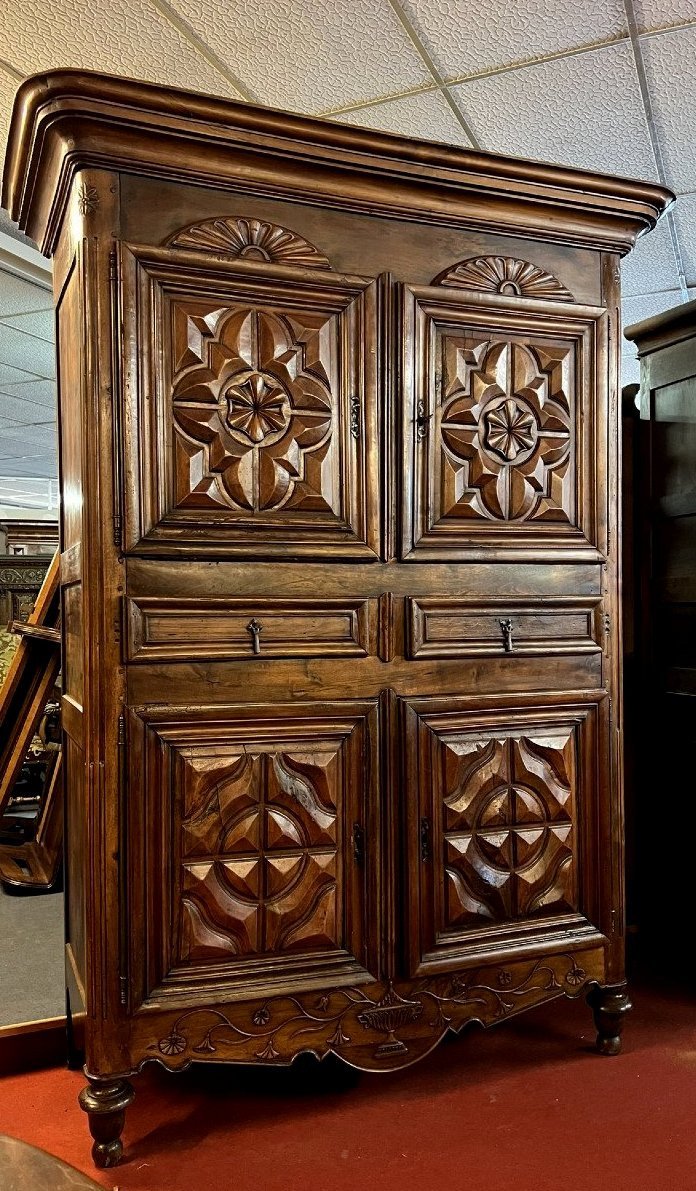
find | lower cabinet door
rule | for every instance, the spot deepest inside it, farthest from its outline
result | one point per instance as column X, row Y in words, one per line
column 252, row 848
column 505, row 823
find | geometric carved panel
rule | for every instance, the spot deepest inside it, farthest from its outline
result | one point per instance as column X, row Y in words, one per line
column 505, row 828
column 259, row 852
column 508, row 828
column 252, row 414
column 506, row 424
column 501, row 434
column 255, row 820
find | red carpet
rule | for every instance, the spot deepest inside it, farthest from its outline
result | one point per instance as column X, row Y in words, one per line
column 525, row 1107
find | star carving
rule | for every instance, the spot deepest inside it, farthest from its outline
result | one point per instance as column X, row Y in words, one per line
column 257, row 406
column 505, row 424
column 510, row 430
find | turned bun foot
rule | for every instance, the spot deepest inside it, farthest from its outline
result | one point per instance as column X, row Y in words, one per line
column 105, row 1101
column 609, row 1003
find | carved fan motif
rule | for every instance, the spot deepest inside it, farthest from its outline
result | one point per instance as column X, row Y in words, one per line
column 504, row 275
column 250, row 239
column 508, row 828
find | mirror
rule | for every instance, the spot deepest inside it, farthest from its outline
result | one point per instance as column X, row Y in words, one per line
column 31, row 897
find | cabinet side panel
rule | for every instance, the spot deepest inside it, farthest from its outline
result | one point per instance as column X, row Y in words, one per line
column 70, row 352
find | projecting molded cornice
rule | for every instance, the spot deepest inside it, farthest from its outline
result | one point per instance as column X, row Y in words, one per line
column 66, row 120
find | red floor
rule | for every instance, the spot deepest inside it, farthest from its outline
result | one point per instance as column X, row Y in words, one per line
column 525, row 1107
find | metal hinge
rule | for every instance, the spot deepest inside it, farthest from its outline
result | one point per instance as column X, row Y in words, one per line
column 112, row 265
column 121, row 740
column 358, row 843
column 425, row 839
column 123, row 990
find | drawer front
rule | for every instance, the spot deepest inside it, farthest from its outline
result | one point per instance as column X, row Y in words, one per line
column 441, row 628
column 167, row 629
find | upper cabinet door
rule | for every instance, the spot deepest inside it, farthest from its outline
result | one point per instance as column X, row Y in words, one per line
column 505, row 426
column 251, row 410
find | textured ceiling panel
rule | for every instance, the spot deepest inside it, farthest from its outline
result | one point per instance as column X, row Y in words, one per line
column 685, row 215
column 651, row 265
column 660, row 14
column 32, row 390
column 39, row 324
column 9, row 377
column 24, row 351
column 669, row 68
column 127, row 37
column 21, row 412
column 311, row 56
column 8, row 86
column 426, row 115
column 18, row 296
column 467, row 38
column 584, row 111
column 42, row 465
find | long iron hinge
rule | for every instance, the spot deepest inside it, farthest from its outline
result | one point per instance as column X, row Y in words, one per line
column 121, row 730
column 123, row 990
column 358, row 843
column 425, row 839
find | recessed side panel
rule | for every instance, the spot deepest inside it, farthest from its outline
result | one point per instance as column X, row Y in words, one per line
column 251, row 408
column 505, row 833
column 503, row 421
column 258, row 834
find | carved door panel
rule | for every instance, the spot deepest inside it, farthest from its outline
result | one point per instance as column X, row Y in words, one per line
column 503, row 418
column 503, row 831
column 259, row 828
column 251, row 408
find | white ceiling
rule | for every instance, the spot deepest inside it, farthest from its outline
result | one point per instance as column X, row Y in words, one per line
column 602, row 84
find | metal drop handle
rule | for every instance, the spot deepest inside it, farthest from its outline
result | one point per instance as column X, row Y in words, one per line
column 506, row 628
column 255, row 628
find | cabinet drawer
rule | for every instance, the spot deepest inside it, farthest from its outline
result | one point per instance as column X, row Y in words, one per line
column 441, row 628
column 167, row 629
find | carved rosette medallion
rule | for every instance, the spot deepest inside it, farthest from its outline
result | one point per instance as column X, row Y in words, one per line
column 504, row 275
column 241, row 238
column 506, row 428
column 254, row 415
column 511, row 430
column 257, row 407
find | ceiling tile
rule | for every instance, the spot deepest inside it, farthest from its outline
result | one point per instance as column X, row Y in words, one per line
column 118, row 36
column 40, row 324
column 8, row 86
column 313, row 56
column 669, row 69
column 660, row 14
column 17, row 448
column 651, row 265
column 468, row 38
column 24, row 351
column 22, row 412
column 41, row 433
column 18, row 296
column 426, row 115
column 584, row 111
column 32, row 390
column 685, row 219
column 9, row 377
column 38, row 465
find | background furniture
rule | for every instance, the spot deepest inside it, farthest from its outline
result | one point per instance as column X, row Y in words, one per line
column 339, row 579
column 666, row 615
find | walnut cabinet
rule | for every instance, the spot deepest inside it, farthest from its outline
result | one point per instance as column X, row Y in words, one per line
column 339, row 432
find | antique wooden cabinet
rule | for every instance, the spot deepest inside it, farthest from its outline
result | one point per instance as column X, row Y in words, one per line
column 665, row 536
column 339, row 457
